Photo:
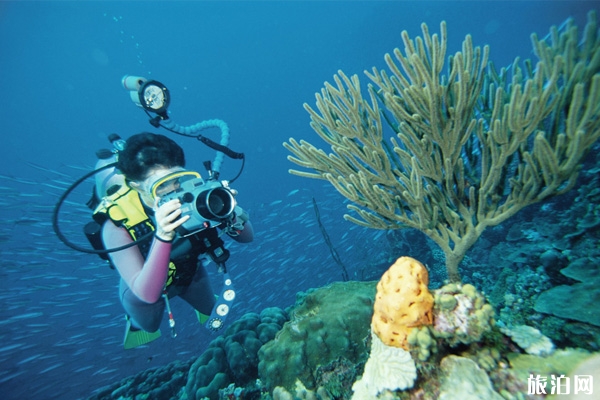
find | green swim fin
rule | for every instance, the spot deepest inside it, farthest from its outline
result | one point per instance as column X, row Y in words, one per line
column 137, row 337
column 202, row 318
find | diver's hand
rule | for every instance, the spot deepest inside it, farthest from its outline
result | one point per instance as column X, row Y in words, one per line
column 167, row 218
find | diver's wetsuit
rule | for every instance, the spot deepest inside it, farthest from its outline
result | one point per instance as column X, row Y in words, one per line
column 143, row 278
column 193, row 288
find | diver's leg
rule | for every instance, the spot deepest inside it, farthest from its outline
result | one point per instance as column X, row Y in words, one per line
column 199, row 293
column 143, row 315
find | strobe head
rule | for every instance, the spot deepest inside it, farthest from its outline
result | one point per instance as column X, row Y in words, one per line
column 151, row 95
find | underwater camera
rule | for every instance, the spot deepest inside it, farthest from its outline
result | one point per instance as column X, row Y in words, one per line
column 208, row 203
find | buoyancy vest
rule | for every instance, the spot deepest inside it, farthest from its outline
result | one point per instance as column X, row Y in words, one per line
column 125, row 209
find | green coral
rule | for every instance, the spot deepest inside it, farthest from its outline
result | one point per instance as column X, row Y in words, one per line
column 579, row 301
column 487, row 358
column 422, row 342
column 326, row 324
column 561, row 362
column 336, row 378
column 232, row 357
column 447, row 302
column 462, row 320
column 461, row 378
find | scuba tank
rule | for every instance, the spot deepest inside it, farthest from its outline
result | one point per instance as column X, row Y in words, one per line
column 108, row 180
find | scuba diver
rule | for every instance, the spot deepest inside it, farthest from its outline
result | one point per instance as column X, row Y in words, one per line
column 158, row 224
column 154, row 271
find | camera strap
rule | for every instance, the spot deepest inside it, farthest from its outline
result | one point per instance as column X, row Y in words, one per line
column 223, row 305
column 212, row 245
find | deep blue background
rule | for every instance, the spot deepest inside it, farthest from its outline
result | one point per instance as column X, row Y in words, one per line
column 252, row 64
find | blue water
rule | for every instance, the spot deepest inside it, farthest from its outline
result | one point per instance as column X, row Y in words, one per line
column 252, row 64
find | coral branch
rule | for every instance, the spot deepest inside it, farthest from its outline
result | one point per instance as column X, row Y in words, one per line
column 452, row 154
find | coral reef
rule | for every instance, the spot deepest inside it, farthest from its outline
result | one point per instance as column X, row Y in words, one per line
column 530, row 339
column 518, row 286
column 461, row 314
column 388, row 368
column 452, row 155
column 566, row 301
column 300, row 392
column 561, row 362
column 461, row 378
column 337, row 318
column 422, row 342
column 251, row 391
column 336, row 378
column 233, row 357
column 325, row 324
column 402, row 302
column 156, row 383
column 590, row 367
column 528, row 258
column 563, row 313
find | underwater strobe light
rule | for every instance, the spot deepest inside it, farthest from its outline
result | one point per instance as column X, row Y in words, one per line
column 151, row 95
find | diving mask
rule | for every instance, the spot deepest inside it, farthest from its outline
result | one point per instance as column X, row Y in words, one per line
column 171, row 183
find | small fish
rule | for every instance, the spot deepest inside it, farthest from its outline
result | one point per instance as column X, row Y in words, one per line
column 50, row 368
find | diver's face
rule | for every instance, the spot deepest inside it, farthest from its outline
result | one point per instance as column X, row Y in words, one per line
column 144, row 188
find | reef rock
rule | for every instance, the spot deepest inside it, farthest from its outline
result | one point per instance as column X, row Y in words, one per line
column 232, row 358
column 388, row 368
column 325, row 324
column 530, row 339
column 576, row 302
column 463, row 379
column 461, row 314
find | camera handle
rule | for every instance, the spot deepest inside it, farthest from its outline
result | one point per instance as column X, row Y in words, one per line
column 215, row 249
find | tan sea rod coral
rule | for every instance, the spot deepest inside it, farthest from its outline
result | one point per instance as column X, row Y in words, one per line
column 449, row 146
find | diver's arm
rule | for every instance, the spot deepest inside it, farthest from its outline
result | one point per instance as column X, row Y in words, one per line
column 246, row 233
column 145, row 278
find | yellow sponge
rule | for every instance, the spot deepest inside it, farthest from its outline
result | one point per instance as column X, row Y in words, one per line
column 402, row 302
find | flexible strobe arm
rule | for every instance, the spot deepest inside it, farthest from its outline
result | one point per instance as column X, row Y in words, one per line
column 194, row 130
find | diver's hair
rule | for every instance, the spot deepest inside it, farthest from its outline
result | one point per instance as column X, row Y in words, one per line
column 145, row 151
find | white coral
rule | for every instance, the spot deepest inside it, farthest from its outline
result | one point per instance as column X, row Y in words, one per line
column 530, row 339
column 388, row 368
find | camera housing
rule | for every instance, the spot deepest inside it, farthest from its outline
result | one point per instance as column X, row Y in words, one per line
column 208, row 203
